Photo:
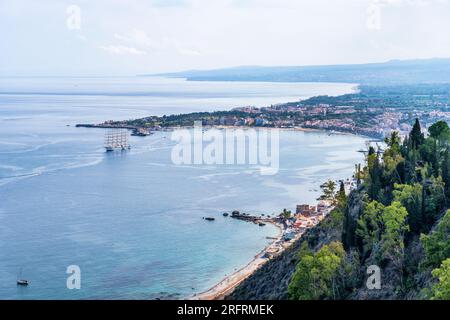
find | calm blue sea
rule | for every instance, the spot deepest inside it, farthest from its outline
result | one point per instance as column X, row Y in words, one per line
column 132, row 221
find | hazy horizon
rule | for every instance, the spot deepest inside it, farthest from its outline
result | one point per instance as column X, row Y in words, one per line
column 116, row 38
column 162, row 74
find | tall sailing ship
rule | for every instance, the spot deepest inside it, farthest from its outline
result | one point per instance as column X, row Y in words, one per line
column 116, row 139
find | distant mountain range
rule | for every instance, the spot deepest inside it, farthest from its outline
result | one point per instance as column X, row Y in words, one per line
column 391, row 72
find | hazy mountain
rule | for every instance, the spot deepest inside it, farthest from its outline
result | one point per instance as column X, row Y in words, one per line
column 391, row 72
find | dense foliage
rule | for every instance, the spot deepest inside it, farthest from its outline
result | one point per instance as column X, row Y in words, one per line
column 441, row 290
column 318, row 275
column 437, row 244
column 394, row 219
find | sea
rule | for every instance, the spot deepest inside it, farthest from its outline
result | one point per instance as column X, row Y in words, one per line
column 132, row 221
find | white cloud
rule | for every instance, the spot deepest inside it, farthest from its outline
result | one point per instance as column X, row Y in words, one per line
column 81, row 37
column 119, row 49
column 141, row 39
column 188, row 52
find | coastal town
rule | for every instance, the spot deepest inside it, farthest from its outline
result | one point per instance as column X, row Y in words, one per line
column 370, row 112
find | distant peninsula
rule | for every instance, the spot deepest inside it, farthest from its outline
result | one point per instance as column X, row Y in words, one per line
column 385, row 73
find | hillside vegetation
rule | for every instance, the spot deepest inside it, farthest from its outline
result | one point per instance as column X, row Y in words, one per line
column 395, row 221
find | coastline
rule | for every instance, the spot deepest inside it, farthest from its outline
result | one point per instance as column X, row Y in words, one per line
column 223, row 288
column 221, row 127
column 227, row 285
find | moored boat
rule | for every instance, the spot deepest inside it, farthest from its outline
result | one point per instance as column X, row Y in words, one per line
column 22, row 282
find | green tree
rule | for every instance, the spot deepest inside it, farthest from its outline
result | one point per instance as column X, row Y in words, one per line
column 335, row 220
column 304, row 285
column 369, row 227
column 316, row 274
column 286, row 213
column 433, row 200
column 446, row 172
column 430, row 153
column 439, row 130
column 441, row 289
column 437, row 244
column 411, row 157
column 393, row 142
column 374, row 171
column 328, row 191
column 341, row 197
column 416, row 136
column 410, row 196
column 358, row 174
column 395, row 226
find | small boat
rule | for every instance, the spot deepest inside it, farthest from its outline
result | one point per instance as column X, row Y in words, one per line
column 209, row 219
column 225, row 214
column 20, row 280
column 261, row 224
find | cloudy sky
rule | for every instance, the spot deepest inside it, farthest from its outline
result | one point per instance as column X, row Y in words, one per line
column 113, row 37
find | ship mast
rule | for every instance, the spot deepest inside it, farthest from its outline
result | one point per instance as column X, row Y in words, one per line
column 115, row 139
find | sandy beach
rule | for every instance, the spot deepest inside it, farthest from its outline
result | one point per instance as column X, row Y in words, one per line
column 229, row 283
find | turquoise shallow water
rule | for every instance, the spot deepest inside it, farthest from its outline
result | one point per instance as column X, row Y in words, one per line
column 133, row 221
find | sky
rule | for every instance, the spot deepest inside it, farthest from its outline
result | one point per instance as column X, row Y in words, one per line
column 129, row 37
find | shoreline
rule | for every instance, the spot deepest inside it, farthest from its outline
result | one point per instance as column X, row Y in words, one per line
column 227, row 285
column 223, row 288
column 221, row 127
